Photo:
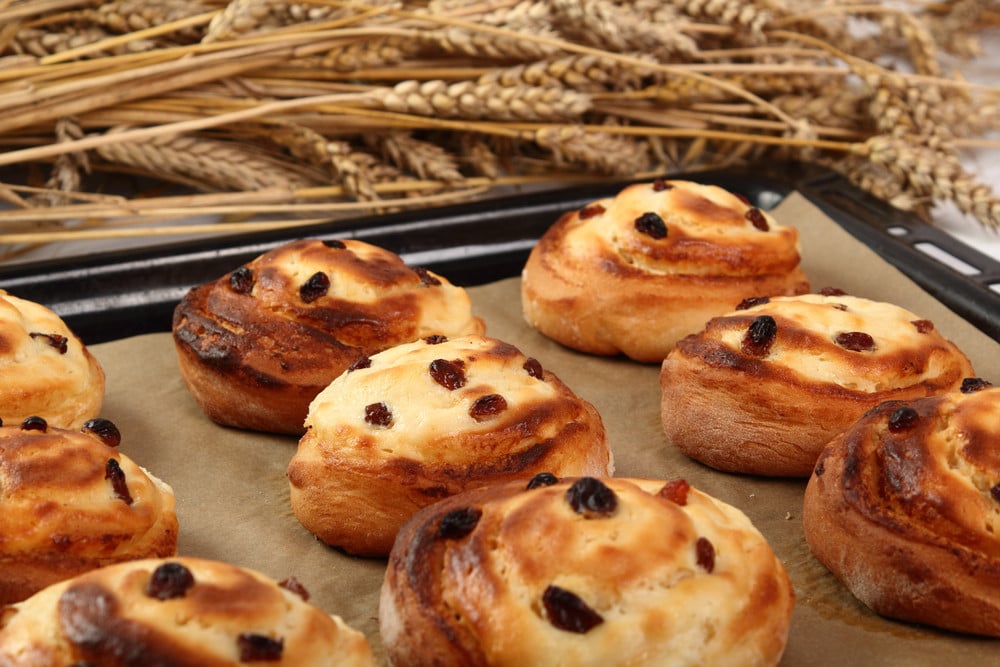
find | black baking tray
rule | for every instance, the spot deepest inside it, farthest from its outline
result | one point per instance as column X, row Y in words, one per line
column 122, row 293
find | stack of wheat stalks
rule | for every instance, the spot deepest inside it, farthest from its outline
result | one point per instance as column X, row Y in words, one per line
column 293, row 111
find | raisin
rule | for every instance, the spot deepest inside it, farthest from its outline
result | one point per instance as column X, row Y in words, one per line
column 652, row 225
column 759, row 336
column 459, row 523
column 448, row 374
column 855, row 341
column 259, row 648
column 242, row 280
column 293, row 585
column 361, row 362
column 995, row 492
column 591, row 498
column 542, row 479
column 34, row 423
column 972, row 385
column 923, row 326
column 169, row 580
column 591, row 211
column 105, row 430
column 705, row 554
column 60, row 343
column 819, row 469
column 752, row 301
column 378, row 414
column 317, row 285
column 113, row 472
column 757, row 218
column 660, row 185
column 436, row 339
column 676, row 491
column 566, row 611
column 426, row 278
column 534, row 368
column 832, row 291
column 902, row 419
column 487, row 406
column 335, row 244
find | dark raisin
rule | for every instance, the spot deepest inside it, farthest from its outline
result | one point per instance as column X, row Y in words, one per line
column 436, row 339
column 923, row 326
column 169, row 580
column 840, row 306
column 566, row 611
column 335, row 244
column 591, row 498
column 61, row 343
column 426, row 278
column 819, row 469
column 293, row 585
column 317, row 285
column 459, row 523
column 902, row 419
column 705, row 554
column 487, row 406
column 759, row 336
column 752, row 301
column 660, row 185
column 855, row 341
column 534, row 368
column 448, row 374
column 103, row 429
column 542, row 479
column 242, row 280
column 114, row 473
column 757, row 218
column 259, row 648
column 972, row 385
column 378, row 414
column 361, row 362
column 995, row 492
column 676, row 491
column 590, row 211
column 832, row 291
column 652, row 225
column 34, row 423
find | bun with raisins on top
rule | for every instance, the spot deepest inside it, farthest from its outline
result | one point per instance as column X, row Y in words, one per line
column 426, row 420
column 583, row 572
column 904, row 508
column 69, row 503
column 181, row 611
column 764, row 388
column 47, row 371
column 636, row 272
column 257, row 345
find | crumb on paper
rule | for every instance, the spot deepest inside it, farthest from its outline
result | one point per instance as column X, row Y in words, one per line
column 788, row 516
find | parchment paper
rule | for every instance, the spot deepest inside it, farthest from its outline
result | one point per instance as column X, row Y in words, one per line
column 232, row 495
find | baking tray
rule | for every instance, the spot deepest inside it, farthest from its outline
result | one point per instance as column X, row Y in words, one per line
column 128, row 292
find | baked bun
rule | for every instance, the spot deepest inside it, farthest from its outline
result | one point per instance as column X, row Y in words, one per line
column 257, row 345
column 762, row 389
column 47, row 371
column 182, row 611
column 583, row 572
column 426, row 420
column 637, row 272
column 904, row 508
column 69, row 502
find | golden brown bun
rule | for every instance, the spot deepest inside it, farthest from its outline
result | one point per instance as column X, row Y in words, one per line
column 904, row 508
column 257, row 345
column 769, row 408
column 385, row 440
column 46, row 370
column 509, row 576
column 597, row 283
column 180, row 612
column 69, row 503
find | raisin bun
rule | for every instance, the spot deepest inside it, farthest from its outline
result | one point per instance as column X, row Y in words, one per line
column 429, row 419
column 762, row 389
column 257, row 345
column 904, row 508
column 69, row 502
column 584, row 572
column 634, row 273
column 182, row 611
column 47, row 371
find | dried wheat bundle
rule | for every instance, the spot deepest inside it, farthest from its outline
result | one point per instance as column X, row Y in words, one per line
column 298, row 110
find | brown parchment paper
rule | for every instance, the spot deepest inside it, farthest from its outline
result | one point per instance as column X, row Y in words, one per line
column 232, row 495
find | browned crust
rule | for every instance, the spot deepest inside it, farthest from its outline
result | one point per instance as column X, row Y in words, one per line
column 905, row 522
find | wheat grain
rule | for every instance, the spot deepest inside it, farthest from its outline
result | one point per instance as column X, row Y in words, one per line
column 606, row 25
column 422, row 158
column 467, row 99
column 602, row 151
